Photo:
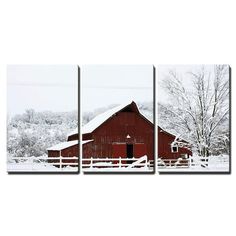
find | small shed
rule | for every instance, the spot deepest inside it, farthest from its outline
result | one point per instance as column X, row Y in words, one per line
column 170, row 148
column 68, row 150
column 65, row 149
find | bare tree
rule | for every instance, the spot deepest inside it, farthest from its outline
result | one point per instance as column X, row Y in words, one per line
column 201, row 107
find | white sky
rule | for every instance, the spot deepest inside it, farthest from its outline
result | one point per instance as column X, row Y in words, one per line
column 42, row 87
column 182, row 70
column 103, row 85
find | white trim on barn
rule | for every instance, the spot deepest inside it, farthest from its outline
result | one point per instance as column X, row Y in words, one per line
column 174, row 147
column 87, row 141
column 64, row 145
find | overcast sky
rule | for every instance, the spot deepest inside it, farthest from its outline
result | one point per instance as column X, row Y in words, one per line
column 42, row 87
column 103, row 85
column 182, row 71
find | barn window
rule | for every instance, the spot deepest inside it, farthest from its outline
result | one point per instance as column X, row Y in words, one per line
column 174, row 147
column 184, row 156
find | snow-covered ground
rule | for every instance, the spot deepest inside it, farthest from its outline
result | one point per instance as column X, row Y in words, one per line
column 34, row 164
column 108, row 164
column 38, row 167
column 122, row 169
column 215, row 164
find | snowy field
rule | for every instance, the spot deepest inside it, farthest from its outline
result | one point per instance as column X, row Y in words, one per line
column 136, row 170
column 215, row 164
column 40, row 164
column 38, row 167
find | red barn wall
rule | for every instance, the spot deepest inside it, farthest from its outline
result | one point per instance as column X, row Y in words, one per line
column 164, row 146
column 115, row 130
column 72, row 151
column 52, row 153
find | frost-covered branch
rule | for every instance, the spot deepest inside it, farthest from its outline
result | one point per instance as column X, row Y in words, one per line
column 201, row 108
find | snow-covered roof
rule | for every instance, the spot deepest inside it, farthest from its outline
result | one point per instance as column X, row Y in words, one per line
column 87, row 141
column 173, row 133
column 61, row 146
column 99, row 119
column 64, row 145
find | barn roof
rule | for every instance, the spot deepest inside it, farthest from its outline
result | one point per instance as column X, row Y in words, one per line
column 100, row 119
column 172, row 135
column 64, row 145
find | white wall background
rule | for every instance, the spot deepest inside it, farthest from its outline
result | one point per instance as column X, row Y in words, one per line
column 142, row 32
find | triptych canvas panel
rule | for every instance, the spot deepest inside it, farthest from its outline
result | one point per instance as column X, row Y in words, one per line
column 118, row 119
column 193, row 118
column 42, row 103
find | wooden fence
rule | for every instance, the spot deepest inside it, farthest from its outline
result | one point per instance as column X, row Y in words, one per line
column 43, row 164
column 62, row 164
column 189, row 163
column 117, row 163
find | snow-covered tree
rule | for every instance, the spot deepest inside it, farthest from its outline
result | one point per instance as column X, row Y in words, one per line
column 199, row 107
column 31, row 133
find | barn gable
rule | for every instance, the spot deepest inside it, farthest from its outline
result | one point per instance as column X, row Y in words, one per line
column 101, row 118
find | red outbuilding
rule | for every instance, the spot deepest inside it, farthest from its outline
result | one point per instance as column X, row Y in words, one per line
column 172, row 148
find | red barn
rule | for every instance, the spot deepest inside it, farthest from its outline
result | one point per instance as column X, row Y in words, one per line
column 121, row 132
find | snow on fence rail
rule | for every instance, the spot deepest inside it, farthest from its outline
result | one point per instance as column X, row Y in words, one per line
column 211, row 163
column 117, row 164
column 173, row 163
column 43, row 164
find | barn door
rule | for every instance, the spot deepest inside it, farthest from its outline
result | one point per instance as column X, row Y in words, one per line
column 119, row 150
column 129, row 152
column 140, row 149
column 126, row 150
column 123, row 150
